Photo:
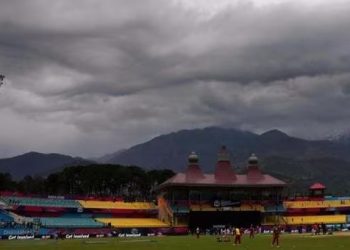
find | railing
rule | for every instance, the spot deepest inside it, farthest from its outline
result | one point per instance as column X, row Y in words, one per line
column 20, row 219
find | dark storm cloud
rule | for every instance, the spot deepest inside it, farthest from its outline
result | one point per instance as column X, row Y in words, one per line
column 95, row 76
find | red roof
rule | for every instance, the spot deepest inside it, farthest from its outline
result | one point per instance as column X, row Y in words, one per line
column 224, row 174
column 317, row 185
column 210, row 180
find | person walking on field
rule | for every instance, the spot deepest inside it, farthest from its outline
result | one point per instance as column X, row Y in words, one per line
column 275, row 236
column 251, row 231
column 197, row 232
column 237, row 233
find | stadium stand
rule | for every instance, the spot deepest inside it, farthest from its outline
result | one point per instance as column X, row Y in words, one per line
column 184, row 202
column 40, row 202
column 251, row 207
column 5, row 217
column 70, row 223
column 180, row 209
column 273, row 219
column 274, row 209
column 316, row 204
column 203, row 207
column 89, row 204
column 210, row 207
column 309, row 220
column 180, row 206
column 132, row 222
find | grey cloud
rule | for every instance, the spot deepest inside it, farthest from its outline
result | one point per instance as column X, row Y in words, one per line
column 119, row 72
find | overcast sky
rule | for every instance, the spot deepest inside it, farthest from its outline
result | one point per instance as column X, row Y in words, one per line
column 89, row 77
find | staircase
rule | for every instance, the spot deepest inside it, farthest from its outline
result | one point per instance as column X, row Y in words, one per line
column 165, row 213
column 20, row 219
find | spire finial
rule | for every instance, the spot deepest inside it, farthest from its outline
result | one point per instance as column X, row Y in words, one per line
column 193, row 158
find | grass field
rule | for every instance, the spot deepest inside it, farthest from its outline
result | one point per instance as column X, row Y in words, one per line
column 183, row 243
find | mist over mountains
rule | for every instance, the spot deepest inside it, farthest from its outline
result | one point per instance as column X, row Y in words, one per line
column 298, row 161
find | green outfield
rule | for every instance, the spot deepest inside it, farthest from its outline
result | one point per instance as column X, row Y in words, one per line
column 183, row 243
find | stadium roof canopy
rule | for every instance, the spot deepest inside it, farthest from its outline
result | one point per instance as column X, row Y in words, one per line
column 210, row 180
column 317, row 186
column 224, row 175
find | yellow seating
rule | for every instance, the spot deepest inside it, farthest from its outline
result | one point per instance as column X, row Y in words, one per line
column 117, row 205
column 327, row 219
column 316, row 204
column 273, row 219
column 133, row 222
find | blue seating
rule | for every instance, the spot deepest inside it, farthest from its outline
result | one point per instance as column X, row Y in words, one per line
column 180, row 209
column 77, row 215
column 5, row 217
column 70, row 222
column 274, row 209
column 40, row 202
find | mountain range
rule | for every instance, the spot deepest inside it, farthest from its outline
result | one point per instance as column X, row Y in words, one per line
column 298, row 161
column 34, row 163
column 171, row 150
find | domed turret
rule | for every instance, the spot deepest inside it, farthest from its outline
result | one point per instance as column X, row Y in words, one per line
column 253, row 160
column 193, row 171
column 193, row 158
column 254, row 172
